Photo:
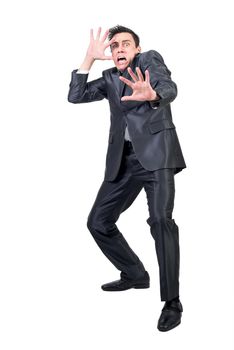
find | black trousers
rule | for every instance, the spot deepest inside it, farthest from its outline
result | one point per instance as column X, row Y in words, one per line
column 115, row 197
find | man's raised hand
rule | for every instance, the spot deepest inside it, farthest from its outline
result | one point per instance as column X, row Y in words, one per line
column 141, row 89
column 97, row 46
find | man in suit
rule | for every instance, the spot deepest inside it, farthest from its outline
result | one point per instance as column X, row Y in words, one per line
column 143, row 152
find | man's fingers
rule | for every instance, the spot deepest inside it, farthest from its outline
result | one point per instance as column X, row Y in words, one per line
column 147, row 76
column 140, row 75
column 127, row 98
column 126, row 81
column 98, row 33
column 134, row 77
column 105, row 35
column 91, row 35
column 109, row 42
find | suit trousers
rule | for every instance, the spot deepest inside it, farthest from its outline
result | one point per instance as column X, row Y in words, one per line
column 115, row 197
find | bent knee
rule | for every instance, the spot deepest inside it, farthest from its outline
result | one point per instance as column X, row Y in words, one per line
column 91, row 222
column 163, row 219
column 97, row 224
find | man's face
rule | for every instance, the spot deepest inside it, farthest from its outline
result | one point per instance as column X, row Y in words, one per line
column 123, row 50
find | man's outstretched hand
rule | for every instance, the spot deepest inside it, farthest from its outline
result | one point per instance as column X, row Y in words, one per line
column 141, row 89
column 97, row 46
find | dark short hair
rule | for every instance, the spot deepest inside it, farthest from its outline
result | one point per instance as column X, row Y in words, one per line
column 120, row 29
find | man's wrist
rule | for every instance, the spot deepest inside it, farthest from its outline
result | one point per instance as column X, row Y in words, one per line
column 87, row 64
column 155, row 102
column 154, row 96
column 82, row 71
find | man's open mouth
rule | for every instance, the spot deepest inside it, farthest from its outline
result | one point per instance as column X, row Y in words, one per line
column 121, row 59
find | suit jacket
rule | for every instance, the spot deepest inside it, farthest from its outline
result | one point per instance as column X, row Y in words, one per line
column 150, row 124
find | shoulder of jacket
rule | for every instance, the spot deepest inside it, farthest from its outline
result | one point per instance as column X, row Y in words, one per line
column 109, row 71
column 148, row 55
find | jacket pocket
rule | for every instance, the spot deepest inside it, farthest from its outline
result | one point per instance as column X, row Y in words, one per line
column 159, row 125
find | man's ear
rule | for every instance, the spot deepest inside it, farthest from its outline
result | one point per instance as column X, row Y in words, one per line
column 139, row 49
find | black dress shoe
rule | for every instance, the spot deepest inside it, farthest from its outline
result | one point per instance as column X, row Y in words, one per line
column 170, row 316
column 124, row 284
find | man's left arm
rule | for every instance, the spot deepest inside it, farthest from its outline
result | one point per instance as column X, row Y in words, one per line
column 160, row 79
column 152, row 82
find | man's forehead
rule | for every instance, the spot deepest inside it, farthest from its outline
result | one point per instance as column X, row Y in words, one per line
column 122, row 36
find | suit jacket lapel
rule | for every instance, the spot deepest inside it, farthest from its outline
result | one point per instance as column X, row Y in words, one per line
column 126, row 90
column 122, row 88
column 118, row 83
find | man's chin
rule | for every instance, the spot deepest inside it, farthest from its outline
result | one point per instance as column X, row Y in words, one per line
column 122, row 67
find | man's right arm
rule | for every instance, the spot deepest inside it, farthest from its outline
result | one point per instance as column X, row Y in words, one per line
column 81, row 91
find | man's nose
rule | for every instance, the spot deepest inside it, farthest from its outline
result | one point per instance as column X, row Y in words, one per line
column 120, row 49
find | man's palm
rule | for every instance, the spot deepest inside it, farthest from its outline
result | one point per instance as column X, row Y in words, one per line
column 142, row 90
column 97, row 46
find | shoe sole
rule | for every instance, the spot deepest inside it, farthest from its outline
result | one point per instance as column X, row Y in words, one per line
column 168, row 329
column 141, row 286
column 137, row 286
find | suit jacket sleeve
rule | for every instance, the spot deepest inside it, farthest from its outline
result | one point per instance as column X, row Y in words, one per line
column 160, row 79
column 81, row 91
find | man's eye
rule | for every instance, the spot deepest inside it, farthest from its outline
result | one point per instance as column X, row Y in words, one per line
column 113, row 46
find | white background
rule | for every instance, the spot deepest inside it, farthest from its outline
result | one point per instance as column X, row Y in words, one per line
column 52, row 164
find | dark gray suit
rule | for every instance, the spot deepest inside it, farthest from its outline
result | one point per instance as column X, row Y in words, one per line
column 152, row 131
column 149, row 162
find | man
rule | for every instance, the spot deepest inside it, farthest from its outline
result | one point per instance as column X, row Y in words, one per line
column 143, row 152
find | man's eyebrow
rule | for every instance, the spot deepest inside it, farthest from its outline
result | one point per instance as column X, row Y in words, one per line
column 123, row 41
